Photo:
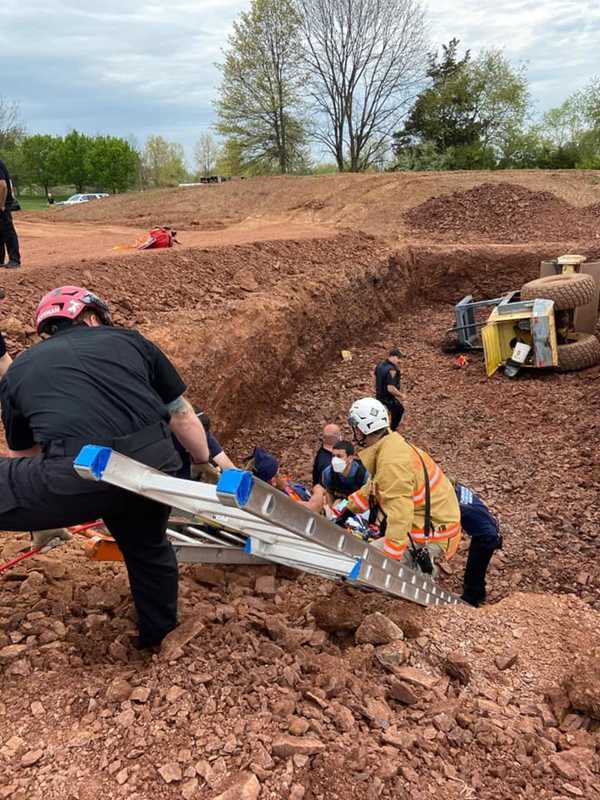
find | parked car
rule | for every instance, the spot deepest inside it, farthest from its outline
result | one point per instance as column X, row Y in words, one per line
column 75, row 199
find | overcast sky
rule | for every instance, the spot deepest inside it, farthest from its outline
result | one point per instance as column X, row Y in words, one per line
column 136, row 67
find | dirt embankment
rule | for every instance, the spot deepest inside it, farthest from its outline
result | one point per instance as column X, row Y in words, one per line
column 239, row 320
column 374, row 203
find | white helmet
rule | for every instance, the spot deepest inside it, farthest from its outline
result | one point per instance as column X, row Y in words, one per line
column 368, row 415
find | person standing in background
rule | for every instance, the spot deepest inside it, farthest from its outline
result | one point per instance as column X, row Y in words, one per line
column 331, row 434
column 9, row 241
column 387, row 387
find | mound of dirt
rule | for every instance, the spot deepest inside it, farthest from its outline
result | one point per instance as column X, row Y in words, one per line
column 254, row 697
column 504, row 213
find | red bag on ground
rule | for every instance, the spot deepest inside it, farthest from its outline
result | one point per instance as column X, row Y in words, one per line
column 159, row 238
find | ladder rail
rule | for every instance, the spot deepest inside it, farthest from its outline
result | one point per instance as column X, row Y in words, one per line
column 276, row 526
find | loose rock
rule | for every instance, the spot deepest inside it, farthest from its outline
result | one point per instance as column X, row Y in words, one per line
column 378, row 629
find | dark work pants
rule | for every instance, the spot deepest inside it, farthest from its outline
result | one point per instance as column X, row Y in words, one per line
column 483, row 545
column 39, row 493
column 8, row 238
column 396, row 411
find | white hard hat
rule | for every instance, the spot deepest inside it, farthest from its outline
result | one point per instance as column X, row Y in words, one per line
column 368, row 415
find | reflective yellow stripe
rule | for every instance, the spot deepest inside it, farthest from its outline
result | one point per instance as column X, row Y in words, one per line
column 434, row 480
column 439, row 536
column 392, row 549
column 360, row 501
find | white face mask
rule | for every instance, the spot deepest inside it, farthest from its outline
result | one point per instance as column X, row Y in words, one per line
column 338, row 464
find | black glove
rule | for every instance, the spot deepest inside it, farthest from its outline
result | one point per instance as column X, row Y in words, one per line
column 343, row 518
column 423, row 560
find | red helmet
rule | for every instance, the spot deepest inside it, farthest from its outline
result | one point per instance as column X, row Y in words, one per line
column 67, row 302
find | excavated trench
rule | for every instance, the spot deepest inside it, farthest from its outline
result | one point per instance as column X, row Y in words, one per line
column 256, row 330
column 246, row 324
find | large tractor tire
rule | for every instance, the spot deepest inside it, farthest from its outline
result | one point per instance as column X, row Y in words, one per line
column 581, row 352
column 570, row 290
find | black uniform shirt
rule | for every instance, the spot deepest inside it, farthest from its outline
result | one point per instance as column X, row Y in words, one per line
column 4, row 176
column 2, row 346
column 386, row 374
column 320, row 464
column 100, row 383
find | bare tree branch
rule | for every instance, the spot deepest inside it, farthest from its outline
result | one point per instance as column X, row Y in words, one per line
column 366, row 60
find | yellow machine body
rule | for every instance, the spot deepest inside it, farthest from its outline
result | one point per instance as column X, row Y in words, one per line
column 529, row 321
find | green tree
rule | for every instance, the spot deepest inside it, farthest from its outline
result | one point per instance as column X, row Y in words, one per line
column 112, row 163
column 259, row 97
column 41, row 154
column 74, row 159
column 444, row 114
column 469, row 112
column 230, row 163
column 572, row 130
column 163, row 162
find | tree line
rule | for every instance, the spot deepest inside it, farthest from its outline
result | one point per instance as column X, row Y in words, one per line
column 334, row 85
column 359, row 81
column 95, row 163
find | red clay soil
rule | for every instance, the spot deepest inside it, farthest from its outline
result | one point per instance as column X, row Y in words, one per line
column 374, row 203
column 506, row 213
column 45, row 242
column 529, row 446
column 236, row 320
column 252, row 699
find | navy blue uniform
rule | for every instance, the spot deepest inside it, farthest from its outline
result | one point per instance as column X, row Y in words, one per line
column 9, row 242
column 479, row 523
column 340, row 485
column 476, row 519
column 388, row 374
column 321, row 462
column 214, row 449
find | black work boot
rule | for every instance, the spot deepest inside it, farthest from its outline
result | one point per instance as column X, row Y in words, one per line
column 12, row 265
column 478, row 560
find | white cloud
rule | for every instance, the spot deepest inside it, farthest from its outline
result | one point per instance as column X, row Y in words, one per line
column 141, row 67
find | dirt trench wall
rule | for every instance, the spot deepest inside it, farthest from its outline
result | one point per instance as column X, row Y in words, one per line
column 245, row 324
column 241, row 368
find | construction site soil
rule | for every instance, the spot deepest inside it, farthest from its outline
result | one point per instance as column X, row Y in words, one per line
column 283, row 685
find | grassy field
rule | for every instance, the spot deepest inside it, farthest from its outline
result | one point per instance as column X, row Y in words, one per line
column 36, row 202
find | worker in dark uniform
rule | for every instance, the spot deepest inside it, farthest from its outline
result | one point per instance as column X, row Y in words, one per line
column 217, row 458
column 387, row 386
column 9, row 242
column 478, row 522
column 90, row 383
column 345, row 475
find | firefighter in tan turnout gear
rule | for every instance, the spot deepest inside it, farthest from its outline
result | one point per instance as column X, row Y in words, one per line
column 421, row 514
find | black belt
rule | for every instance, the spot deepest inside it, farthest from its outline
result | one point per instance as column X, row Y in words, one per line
column 122, row 444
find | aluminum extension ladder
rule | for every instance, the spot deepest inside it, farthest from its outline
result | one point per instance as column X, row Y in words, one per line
column 243, row 520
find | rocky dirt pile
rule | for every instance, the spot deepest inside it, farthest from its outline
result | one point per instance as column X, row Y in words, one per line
column 504, row 213
column 278, row 685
